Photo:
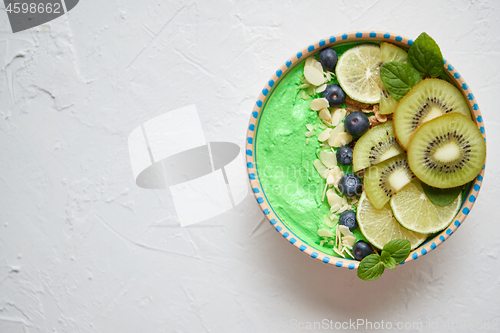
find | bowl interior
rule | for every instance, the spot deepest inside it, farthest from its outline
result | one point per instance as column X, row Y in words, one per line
column 471, row 192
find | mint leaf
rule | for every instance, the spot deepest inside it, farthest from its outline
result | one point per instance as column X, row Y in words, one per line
column 371, row 267
column 399, row 249
column 425, row 56
column 441, row 196
column 389, row 262
column 398, row 78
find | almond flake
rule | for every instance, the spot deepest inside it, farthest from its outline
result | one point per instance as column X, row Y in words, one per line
column 341, row 140
column 345, row 231
column 322, row 87
column 320, row 167
column 325, row 135
column 325, row 233
column 337, row 116
column 304, row 95
column 328, row 76
column 328, row 158
column 324, row 192
column 313, row 75
column 309, row 127
column 318, row 104
column 348, row 240
column 349, row 253
column 310, row 133
column 317, row 64
column 330, row 180
column 344, row 200
column 309, row 61
column 307, row 141
column 339, row 253
column 311, row 91
column 334, row 208
column 328, row 222
column 304, row 85
column 321, row 243
column 325, row 116
column 333, row 198
column 335, row 132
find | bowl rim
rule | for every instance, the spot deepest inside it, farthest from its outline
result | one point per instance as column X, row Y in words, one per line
column 273, row 82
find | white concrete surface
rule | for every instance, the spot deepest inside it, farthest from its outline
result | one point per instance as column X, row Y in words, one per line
column 82, row 249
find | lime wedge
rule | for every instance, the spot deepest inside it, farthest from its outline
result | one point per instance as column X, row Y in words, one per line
column 416, row 212
column 380, row 227
column 358, row 73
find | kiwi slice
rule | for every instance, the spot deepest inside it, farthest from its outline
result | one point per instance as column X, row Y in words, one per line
column 389, row 52
column 375, row 146
column 446, row 152
column 385, row 179
column 429, row 99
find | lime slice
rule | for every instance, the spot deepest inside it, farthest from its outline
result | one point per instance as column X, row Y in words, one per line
column 358, row 73
column 416, row 212
column 380, row 227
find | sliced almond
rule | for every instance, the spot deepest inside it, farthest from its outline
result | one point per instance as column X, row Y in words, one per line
column 344, row 200
column 333, row 198
column 304, row 95
column 325, row 135
column 335, row 132
column 307, row 141
column 337, row 116
column 320, row 167
column 349, row 253
column 317, row 64
column 322, row 87
column 329, row 222
column 334, row 208
column 309, row 61
column 339, row 252
column 318, row 104
column 304, row 86
column 348, row 240
column 341, row 140
column 311, row 90
column 345, row 231
column 309, row 127
column 330, row 180
column 310, row 133
column 328, row 158
column 335, row 171
column 313, row 75
column 325, row 233
column 325, row 116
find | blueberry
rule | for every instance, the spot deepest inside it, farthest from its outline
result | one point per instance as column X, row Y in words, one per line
column 348, row 218
column 344, row 155
column 328, row 59
column 350, row 185
column 356, row 123
column 334, row 94
column 361, row 249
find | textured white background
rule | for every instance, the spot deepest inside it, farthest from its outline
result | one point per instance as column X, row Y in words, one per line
column 82, row 249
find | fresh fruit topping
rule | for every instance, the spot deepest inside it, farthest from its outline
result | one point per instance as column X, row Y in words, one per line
column 356, row 123
column 358, row 73
column 379, row 225
column 328, row 59
column 334, row 94
column 361, row 249
column 448, row 151
column 411, row 201
column 375, row 146
column 385, row 179
column 389, row 52
column 350, row 185
column 348, row 218
column 429, row 99
column 344, row 155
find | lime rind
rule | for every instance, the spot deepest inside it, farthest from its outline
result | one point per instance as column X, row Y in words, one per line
column 380, row 227
column 414, row 211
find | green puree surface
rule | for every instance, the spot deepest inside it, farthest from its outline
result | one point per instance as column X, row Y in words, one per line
column 285, row 162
